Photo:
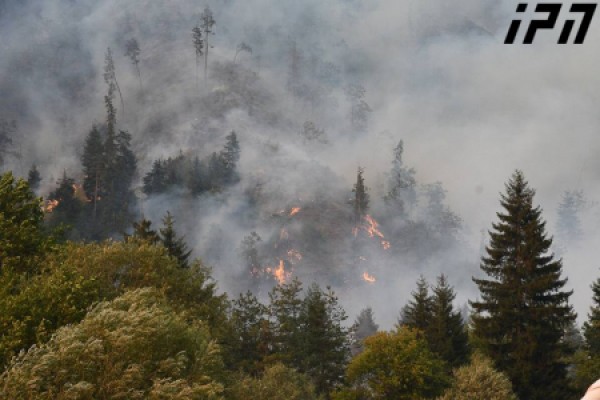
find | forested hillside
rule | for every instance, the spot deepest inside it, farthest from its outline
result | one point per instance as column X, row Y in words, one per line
column 233, row 200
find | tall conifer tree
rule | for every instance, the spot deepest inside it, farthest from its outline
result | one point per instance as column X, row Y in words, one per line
column 523, row 312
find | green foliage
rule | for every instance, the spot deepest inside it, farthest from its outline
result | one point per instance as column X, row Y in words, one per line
column 68, row 208
column 109, row 166
column 446, row 334
column 360, row 202
column 79, row 275
column 395, row 365
column 284, row 309
column 591, row 328
column 7, row 133
column 175, row 245
column 134, row 347
column 253, row 334
column 22, row 240
column 143, row 231
column 479, row 381
column 585, row 366
column 401, row 195
column 363, row 327
column 324, row 346
column 277, row 383
column 34, row 178
column 418, row 312
column 587, row 359
column 523, row 312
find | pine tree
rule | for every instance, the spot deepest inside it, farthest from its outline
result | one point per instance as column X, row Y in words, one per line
column 418, row 312
column 92, row 161
column 446, row 333
column 401, row 194
column 568, row 227
column 7, row 132
column 230, row 157
column 132, row 50
column 34, row 178
column 591, row 328
column 175, row 245
column 68, row 205
column 359, row 108
column 360, row 203
column 196, row 181
column 324, row 347
column 250, row 321
column 524, row 311
column 110, row 76
column 285, row 307
column 207, row 22
column 198, row 46
column 155, row 181
column 363, row 327
column 143, row 231
column 249, row 252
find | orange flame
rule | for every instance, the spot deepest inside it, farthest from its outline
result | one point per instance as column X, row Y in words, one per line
column 295, row 210
column 280, row 273
column 373, row 227
column 51, row 205
column 368, row 278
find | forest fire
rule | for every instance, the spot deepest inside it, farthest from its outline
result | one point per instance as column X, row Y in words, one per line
column 368, row 278
column 294, row 211
column 372, row 229
column 51, row 205
column 279, row 273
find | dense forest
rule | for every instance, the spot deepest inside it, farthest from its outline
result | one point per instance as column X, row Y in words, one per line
column 199, row 204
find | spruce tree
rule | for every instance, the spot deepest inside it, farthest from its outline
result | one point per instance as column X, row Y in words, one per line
column 252, row 334
column 363, row 327
column 568, row 227
column 229, row 158
column 360, row 202
column 418, row 312
column 132, row 50
column 34, row 178
column 93, row 165
column 285, row 306
column 523, row 311
column 7, row 133
column 68, row 205
column 110, row 76
column 591, row 328
column 175, row 245
column 446, row 333
column 324, row 348
column 207, row 22
column 402, row 183
column 143, row 231
column 198, row 42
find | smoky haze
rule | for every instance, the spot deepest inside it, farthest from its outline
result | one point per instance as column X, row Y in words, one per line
column 469, row 109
